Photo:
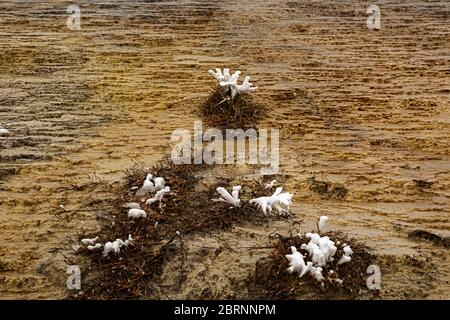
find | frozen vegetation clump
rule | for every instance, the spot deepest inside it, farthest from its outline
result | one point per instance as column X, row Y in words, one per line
column 322, row 223
column 115, row 246
column 232, row 199
column 149, row 185
column 229, row 106
column 137, row 213
column 320, row 250
column 280, row 201
column 108, row 247
column 158, row 196
column 229, row 82
column 346, row 256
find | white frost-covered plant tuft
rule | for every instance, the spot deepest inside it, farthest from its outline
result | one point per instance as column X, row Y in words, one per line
column 115, row 246
column 109, row 247
column 147, row 186
column 91, row 244
column 229, row 82
column 89, row 241
column 280, row 201
column 137, row 213
column 97, row 246
column 320, row 251
column 232, row 199
column 346, row 255
column 158, row 196
column 270, row 184
column 151, row 185
column 297, row 263
column 322, row 223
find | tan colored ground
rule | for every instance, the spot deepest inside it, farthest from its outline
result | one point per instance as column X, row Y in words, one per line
column 366, row 109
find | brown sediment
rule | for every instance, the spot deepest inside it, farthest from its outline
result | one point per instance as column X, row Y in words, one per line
column 5, row 172
column 434, row 238
column 365, row 110
column 326, row 190
column 423, row 184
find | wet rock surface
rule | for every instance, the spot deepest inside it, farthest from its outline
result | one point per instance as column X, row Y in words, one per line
column 364, row 110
